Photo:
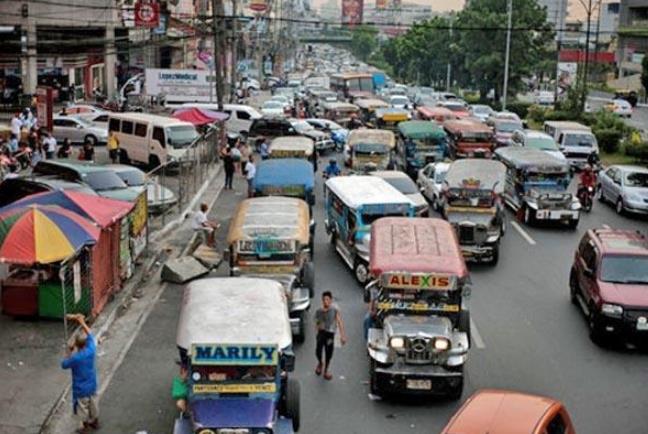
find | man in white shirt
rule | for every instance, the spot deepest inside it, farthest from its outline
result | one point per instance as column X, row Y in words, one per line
column 205, row 227
column 250, row 173
column 16, row 125
column 49, row 143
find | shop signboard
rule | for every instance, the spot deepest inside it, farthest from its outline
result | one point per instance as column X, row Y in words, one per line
column 180, row 85
column 147, row 14
column 44, row 106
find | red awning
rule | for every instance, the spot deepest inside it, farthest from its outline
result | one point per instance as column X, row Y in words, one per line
column 198, row 116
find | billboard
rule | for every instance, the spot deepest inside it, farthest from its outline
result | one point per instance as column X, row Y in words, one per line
column 566, row 77
column 352, row 12
column 180, row 85
column 381, row 4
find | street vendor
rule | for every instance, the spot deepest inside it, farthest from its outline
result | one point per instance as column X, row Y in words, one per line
column 205, row 226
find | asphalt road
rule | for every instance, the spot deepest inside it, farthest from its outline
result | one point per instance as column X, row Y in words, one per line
column 530, row 339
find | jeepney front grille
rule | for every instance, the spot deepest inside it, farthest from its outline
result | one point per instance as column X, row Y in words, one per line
column 419, row 351
column 557, row 202
column 466, row 233
column 578, row 155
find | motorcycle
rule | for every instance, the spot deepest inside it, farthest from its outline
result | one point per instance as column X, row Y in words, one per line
column 586, row 197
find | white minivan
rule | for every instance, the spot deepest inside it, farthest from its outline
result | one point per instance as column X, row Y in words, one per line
column 240, row 116
column 151, row 139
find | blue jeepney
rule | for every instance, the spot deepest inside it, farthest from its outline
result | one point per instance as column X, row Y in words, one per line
column 352, row 204
column 238, row 376
column 291, row 177
column 420, row 143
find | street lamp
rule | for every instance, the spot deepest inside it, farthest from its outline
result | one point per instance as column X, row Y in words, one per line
column 509, row 7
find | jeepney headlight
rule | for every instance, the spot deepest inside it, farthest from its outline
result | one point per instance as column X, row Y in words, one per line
column 195, row 376
column 492, row 238
column 611, row 310
column 397, row 343
column 441, row 344
column 575, row 205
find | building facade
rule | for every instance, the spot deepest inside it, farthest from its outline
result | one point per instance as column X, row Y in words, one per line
column 633, row 36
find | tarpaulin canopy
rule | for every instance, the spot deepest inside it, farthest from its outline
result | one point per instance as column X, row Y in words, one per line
column 43, row 234
column 101, row 210
column 199, row 116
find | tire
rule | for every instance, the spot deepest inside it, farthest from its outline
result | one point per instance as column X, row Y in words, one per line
column 292, row 402
column 573, row 224
column 435, row 203
column 599, row 194
column 91, row 138
column 308, row 278
column 503, row 227
column 154, row 162
column 463, row 324
column 593, row 323
column 528, row 216
column 457, row 391
column 361, row 272
column 620, row 209
column 300, row 337
column 495, row 257
column 123, row 157
column 373, row 381
column 573, row 288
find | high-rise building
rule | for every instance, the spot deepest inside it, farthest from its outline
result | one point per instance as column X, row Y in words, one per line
column 556, row 14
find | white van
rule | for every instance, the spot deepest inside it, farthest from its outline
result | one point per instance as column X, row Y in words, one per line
column 576, row 141
column 240, row 116
column 151, row 139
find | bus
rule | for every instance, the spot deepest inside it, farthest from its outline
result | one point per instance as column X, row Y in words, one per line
column 352, row 85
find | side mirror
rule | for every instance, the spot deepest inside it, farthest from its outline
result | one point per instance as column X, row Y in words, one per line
column 467, row 290
column 367, row 291
column 312, row 226
column 287, row 363
column 78, row 126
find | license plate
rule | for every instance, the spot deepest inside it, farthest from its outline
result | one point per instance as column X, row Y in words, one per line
column 642, row 323
column 419, row 384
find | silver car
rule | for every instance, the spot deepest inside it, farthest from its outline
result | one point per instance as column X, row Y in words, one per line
column 626, row 187
column 430, row 182
column 78, row 130
column 159, row 198
column 403, row 183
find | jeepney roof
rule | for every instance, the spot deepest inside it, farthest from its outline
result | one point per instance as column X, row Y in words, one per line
column 233, row 310
column 466, row 125
column 338, row 105
column 381, row 112
column 356, row 191
column 567, row 125
column 421, row 130
column 367, row 135
column 270, row 217
column 529, row 158
column 371, row 103
column 416, row 245
column 283, row 172
column 476, row 173
column 293, row 143
column 435, row 111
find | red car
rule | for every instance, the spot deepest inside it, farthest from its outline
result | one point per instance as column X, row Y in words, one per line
column 609, row 281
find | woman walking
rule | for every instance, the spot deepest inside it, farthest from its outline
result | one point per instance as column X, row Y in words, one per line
column 228, row 165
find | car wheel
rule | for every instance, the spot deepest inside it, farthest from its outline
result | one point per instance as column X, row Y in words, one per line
column 463, row 324
column 123, row 157
column 435, row 203
column 599, row 194
column 373, row 381
column 529, row 216
column 154, row 162
column 300, row 337
column 573, row 288
column 594, row 325
column 91, row 139
column 309, row 278
column 457, row 390
column 573, row 224
column 361, row 272
column 503, row 226
column 292, row 403
column 495, row 256
column 619, row 206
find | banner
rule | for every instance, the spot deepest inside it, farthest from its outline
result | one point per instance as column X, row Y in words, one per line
column 566, row 76
column 44, row 106
column 381, row 4
column 180, row 85
column 352, row 12
column 147, row 14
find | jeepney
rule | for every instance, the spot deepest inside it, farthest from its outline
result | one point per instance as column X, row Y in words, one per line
column 238, row 378
column 339, row 112
column 369, row 147
column 389, row 118
column 536, row 186
column 420, row 333
column 352, row 204
column 368, row 106
column 293, row 147
column 437, row 114
column 420, row 143
column 469, row 138
column 291, row 177
column 472, row 204
column 273, row 237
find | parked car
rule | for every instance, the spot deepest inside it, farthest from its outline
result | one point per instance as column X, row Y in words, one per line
column 430, row 182
column 481, row 111
column 269, row 128
column 626, row 187
column 510, row 116
column 609, row 282
column 78, row 130
column 403, row 183
column 537, row 140
column 82, row 109
column 619, row 107
column 399, row 101
column 322, row 140
column 13, row 189
column 273, row 108
column 504, row 129
column 158, row 197
column 504, row 412
column 98, row 119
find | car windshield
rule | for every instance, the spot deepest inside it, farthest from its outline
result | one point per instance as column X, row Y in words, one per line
column 586, row 140
column 440, row 176
column 542, row 143
column 398, row 100
column 481, row 109
column 636, row 179
column 272, row 105
column 302, row 126
column 455, row 107
column 181, row 135
column 333, row 126
column 368, row 219
column 624, row 269
column 84, row 122
column 369, row 148
column 404, row 185
column 103, row 180
column 507, row 127
column 132, row 178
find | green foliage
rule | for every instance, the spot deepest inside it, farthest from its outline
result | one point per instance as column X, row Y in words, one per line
column 609, row 139
column 364, row 42
column 519, row 107
column 559, row 115
column 538, row 113
column 639, row 151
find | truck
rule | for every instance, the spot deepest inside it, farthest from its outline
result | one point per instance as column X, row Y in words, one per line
column 576, row 141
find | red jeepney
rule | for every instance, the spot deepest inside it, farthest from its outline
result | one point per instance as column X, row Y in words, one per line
column 438, row 114
column 468, row 138
column 419, row 330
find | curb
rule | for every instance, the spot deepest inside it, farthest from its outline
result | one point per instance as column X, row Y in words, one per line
column 134, row 283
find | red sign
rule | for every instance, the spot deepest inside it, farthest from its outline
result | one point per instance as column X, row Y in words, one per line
column 352, row 12
column 579, row 56
column 381, row 4
column 147, row 13
column 258, row 5
column 44, row 106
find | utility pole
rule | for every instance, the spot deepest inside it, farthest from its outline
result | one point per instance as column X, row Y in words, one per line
column 449, row 69
column 586, row 67
column 217, row 15
column 598, row 30
column 559, row 36
column 233, row 71
column 507, row 57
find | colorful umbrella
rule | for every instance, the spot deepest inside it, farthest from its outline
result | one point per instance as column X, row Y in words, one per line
column 43, row 234
column 101, row 210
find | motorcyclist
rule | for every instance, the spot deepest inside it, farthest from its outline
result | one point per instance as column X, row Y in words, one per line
column 355, row 122
column 332, row 169
column 587, row 180
column 593, row 160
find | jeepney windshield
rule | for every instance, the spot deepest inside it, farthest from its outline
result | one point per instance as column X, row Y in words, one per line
column 426, row 145
column 181, row 136
column 222, row 373
column 474, row 137
column 370, row 148
column 363, row 84
column 368, row 219
column 536, row 177
column 422, row 296
column 266, row 250
column 470, row 198
column 507, row 127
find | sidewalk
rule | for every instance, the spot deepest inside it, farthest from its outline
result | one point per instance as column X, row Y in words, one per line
column 31, row 350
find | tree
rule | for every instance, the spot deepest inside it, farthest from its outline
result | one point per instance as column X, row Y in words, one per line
column 364, row 41
column 644, row 75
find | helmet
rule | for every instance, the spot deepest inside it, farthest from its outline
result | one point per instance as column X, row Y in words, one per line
column 587, row 168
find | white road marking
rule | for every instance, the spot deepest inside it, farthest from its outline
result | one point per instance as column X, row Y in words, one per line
column 475, row 336
column 523, row 233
